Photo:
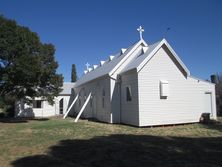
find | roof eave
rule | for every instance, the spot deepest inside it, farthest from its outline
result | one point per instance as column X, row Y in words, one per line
column 141, row 41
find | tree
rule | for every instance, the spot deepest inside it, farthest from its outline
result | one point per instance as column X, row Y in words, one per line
column 73, row 75
column 217, row 79
column 27, row 66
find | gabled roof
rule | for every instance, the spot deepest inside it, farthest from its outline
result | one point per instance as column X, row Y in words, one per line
column 139, row 59
column 67, row 88
column 109, row 66
column 139, row 62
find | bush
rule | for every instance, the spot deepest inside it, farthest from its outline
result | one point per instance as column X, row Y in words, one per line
column 7, row 106
column 10, row 111
column 2, row 114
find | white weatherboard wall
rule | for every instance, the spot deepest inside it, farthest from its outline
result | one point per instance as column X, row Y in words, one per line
column 47, row 110
column 115, row 100
column 117, row 103
column 185, row 102
column 97, row 111
column 129, row 109
column 65, row 103
column 25, row 110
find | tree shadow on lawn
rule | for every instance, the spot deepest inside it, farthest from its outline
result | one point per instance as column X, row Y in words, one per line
column 21, row 120
column 128, row 151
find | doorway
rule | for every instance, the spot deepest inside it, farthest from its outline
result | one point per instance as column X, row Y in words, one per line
column 61, row 106
column 208, row 103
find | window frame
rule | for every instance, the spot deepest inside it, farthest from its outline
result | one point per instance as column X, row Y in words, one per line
column 128, row 93
column 36, row 104
column 164, row 89
column 103, row 97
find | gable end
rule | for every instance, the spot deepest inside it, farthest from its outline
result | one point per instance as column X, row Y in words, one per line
column 179, row 66
column 171, row 53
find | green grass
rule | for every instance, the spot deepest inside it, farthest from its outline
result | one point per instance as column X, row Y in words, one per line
column 58, row 142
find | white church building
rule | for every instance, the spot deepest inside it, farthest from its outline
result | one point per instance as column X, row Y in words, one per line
column 143, row 85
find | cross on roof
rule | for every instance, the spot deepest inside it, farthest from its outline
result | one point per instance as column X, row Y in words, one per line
column 141, row 30
column 87, row 65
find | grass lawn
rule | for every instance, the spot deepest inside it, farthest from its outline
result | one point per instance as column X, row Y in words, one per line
column 58, row 142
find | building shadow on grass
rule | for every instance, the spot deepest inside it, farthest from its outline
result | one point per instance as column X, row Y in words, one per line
column 129, row 151
column 21, row 120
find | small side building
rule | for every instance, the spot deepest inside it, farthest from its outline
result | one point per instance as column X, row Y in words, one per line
column 41, row 108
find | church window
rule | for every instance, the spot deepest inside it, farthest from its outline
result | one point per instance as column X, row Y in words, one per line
column 103, row 98
column 128, row 93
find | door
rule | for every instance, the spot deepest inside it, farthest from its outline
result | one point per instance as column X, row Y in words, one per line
column 208, row 103
column 61, row 106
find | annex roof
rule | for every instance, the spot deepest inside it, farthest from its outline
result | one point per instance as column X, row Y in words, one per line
column 67, row 88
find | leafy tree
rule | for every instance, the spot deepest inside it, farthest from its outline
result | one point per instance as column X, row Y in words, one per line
column 218, row 82
column 27, row 66
column 74, row 76
column 217, row 79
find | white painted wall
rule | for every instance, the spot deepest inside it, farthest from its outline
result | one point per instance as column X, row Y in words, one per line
column 65, row 103
column 185, row 102
column 24, row 110
column 47, row 110
column 129, row 109
column 96, row 111
column 115, row 100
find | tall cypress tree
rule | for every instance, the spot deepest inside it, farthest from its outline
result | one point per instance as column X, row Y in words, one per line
column 73, row 75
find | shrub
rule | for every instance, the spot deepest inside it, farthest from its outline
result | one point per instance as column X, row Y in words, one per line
column 2, row 114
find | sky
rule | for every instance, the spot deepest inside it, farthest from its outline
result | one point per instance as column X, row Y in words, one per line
column 90, row 30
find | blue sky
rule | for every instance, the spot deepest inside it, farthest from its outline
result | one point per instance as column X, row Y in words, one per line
column 91, row 30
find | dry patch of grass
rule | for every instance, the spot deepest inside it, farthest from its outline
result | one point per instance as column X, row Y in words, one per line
column 58, row 142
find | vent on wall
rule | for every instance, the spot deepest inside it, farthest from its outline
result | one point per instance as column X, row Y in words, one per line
column 95, row 66
column 90, row 69
column 123, row 50
column 164, row 88
column 145, row 48
column 102, row 62
column 111, row 57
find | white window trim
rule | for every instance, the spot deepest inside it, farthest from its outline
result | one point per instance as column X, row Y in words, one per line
column 164, row 88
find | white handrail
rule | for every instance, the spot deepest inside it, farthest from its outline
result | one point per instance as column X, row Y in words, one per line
column 74, row 101
column 83, row 107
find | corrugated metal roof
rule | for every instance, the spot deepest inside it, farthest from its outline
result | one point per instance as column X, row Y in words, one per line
column 136, row 63
column 67, row 88
column 105, row 68
column 140, row 58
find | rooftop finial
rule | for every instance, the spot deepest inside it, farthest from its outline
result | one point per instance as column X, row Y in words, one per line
column 87, row 66
column 141, row 30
